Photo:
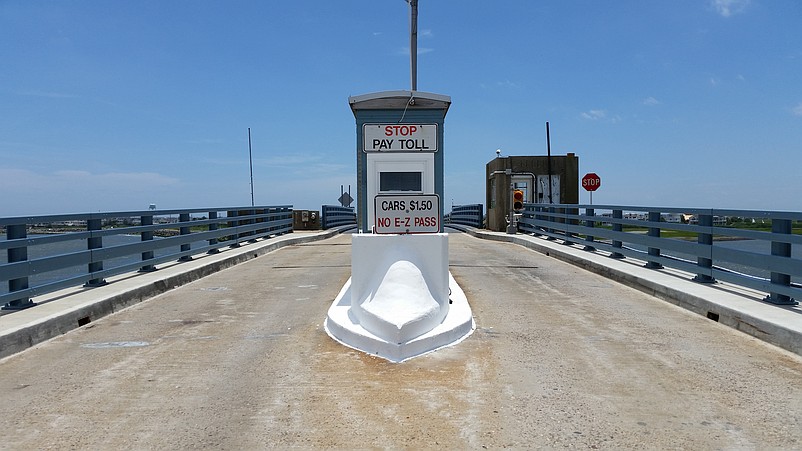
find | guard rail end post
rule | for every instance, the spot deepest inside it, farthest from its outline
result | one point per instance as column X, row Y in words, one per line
column 590, row 223
column 704, row 264
column 17, row 254
column 654, row 232
column 780, row 249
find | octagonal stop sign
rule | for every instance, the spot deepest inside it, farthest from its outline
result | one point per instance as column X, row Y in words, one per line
column 591, row 181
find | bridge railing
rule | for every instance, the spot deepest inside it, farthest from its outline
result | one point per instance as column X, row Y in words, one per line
column 469, row 215
column 48, row 253
column 335, row 216
column 755, row 249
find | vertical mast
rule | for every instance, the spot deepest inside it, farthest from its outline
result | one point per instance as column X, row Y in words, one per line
column 413, row 43
column 548, row 149
column 250, row 159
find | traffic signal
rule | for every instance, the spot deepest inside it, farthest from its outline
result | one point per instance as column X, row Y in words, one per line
column 518, row 200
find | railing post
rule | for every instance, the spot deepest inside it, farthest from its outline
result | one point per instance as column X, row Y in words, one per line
column 183, row 231
column 213, row 226
column 654, row 232
column 591, row 223
column 704, row 264
column 94, row 242
column 567, row 223
column 17, row 254
column 233, row 224
column 147, row 220
column 551, row 219
column 253, row 221
column 780, row 249
column 618, row 228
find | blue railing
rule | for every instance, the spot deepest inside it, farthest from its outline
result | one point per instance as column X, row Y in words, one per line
column 70, row 250
column 469, row 215
column 335, row 216
column 699, row 248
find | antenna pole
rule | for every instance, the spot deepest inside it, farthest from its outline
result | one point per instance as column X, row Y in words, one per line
column 413, row 43
column 250, row 159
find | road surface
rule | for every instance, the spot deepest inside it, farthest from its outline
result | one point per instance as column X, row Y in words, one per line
column 560, row 358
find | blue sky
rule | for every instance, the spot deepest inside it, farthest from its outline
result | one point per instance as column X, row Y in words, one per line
column 114, row 105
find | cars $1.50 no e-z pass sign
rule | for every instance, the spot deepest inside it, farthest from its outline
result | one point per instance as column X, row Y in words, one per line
column 407, row 213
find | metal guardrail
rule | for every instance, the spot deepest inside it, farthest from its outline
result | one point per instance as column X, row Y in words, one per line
column 335, row 216
column 584, row 225
column 469, row 215
column 173, row 234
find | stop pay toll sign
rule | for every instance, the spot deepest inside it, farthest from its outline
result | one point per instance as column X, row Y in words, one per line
column 400, row 137
column 408, row 213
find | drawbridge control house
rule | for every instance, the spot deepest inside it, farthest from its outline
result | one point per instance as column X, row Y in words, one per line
column 530, row 176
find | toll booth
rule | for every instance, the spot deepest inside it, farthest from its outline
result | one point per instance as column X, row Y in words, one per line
column 399, row 153
column 537, row 179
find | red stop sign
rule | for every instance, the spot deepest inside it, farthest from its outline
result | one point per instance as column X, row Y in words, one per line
column 591, row 182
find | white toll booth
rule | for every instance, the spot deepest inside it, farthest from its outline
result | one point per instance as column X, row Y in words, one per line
column 400, row 301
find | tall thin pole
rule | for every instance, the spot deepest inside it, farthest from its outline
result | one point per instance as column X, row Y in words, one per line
column 250, row 159
column 413, row 44
column 548, row 149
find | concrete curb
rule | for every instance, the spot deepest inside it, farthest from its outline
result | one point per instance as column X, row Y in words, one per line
column 736, row 307
column 65, row 310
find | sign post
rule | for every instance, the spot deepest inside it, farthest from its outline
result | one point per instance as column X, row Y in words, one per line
column 591, row 182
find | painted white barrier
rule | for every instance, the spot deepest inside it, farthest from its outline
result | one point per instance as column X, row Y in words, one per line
column 400, row 301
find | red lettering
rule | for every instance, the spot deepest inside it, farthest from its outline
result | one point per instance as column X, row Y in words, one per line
column 403, row 130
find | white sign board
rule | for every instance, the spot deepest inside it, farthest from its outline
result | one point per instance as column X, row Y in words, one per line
column 407, row 213
column 400, row 137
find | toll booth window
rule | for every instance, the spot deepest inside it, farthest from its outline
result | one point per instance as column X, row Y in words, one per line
column 400, row 181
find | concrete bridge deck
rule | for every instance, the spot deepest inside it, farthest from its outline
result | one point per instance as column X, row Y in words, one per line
column 561, row 357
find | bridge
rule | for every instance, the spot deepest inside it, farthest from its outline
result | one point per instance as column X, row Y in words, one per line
column 571, row 349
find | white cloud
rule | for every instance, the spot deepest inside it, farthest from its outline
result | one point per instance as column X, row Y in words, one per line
column 600, row 115
column 594, row 115
column 728, row 8
column 797, row 110
column 650, row 101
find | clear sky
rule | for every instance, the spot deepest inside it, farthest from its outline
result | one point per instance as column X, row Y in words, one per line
column 113, row 105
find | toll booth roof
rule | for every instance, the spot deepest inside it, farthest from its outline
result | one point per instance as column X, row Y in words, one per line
column 399, row 100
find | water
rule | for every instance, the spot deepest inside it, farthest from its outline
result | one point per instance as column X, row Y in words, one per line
column 66, row 247
column 754, row 246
